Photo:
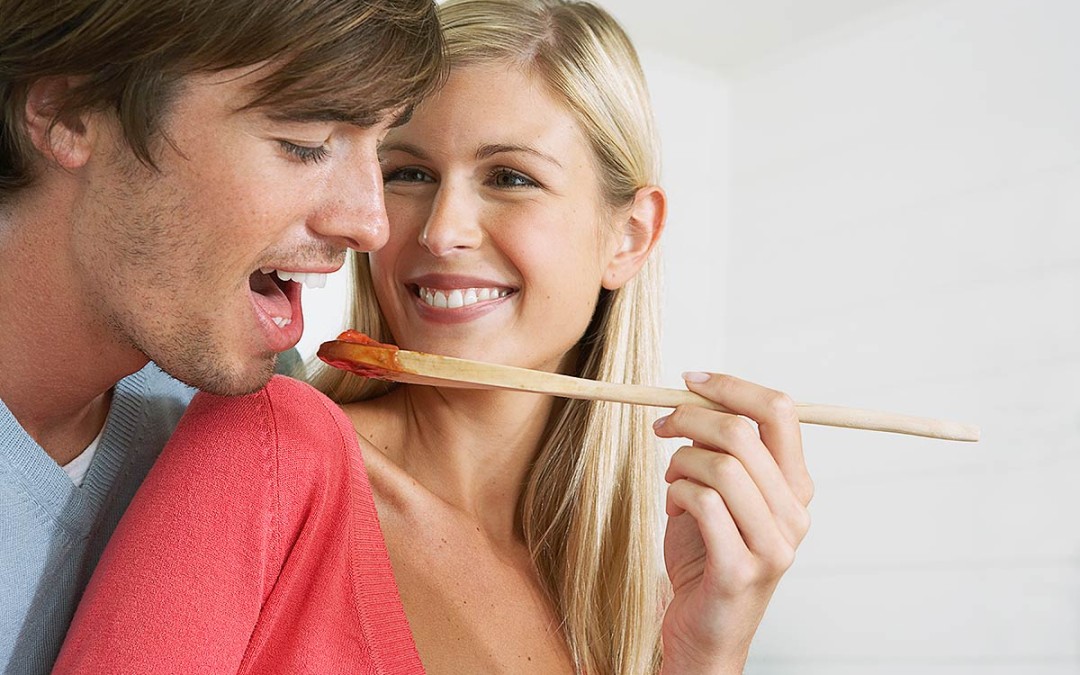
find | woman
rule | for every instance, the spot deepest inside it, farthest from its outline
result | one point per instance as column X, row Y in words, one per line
column 469, row 531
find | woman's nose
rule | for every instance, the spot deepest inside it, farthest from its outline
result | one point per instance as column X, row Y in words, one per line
column 453, row 224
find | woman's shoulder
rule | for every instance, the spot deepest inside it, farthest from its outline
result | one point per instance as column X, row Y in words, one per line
column 284, row 405
column 308, row 424
column 287, row 449
column 297, row 406
column 288, row 424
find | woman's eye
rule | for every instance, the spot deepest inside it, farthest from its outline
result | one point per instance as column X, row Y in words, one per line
column 305, row 153
column 508, row 178
column 406, row 175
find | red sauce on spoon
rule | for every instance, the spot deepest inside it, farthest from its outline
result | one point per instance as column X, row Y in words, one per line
column 379, row 360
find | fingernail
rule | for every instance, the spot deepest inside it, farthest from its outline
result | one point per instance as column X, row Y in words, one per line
column 660, row 422
column 694, row 376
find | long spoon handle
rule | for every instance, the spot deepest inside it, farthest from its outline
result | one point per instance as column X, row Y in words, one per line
column 398, row 365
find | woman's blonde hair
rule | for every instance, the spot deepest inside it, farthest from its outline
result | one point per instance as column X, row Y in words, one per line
column 590, row 507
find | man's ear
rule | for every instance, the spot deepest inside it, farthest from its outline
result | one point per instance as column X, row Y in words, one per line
column 65, row 139
column 641, row 232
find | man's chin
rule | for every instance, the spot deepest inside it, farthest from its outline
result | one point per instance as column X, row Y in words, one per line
column 241, row 380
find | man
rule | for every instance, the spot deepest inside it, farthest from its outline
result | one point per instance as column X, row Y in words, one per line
column 171, row 171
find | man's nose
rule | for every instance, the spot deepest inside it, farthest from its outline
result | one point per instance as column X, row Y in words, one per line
column 355, row 213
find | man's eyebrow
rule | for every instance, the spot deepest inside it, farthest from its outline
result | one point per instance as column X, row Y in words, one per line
column 486, row 151
column 364, row 119
column 407, row 148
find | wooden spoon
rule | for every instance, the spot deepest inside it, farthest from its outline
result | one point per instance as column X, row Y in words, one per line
column 360, row 354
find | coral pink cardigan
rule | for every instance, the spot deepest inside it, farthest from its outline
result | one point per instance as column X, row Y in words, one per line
column 253, row 546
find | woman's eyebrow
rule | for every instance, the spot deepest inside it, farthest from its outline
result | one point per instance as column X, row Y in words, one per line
column 485, row 151
column 409, row 148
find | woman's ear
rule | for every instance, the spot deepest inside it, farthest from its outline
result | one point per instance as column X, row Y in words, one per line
column 64, row 138
column 641, row 232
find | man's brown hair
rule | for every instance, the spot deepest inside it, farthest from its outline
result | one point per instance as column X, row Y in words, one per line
column 325, row 60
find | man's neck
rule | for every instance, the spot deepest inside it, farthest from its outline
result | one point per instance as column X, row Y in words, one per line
column 65, row 440
column 58, row 363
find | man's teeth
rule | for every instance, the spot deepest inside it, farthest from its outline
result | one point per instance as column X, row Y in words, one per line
column 460, row 297
column 309, row 279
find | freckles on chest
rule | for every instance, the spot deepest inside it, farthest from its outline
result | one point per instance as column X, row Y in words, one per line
column 470, row 612
column 452, row 566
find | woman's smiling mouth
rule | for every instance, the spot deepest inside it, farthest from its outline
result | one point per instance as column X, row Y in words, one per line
column 459, row 297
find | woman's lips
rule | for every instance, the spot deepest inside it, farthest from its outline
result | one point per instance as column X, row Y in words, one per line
column 459, row 297
column 458, row 305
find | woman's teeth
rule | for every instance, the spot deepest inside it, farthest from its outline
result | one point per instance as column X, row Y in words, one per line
column 460, row 297
column 309, row 279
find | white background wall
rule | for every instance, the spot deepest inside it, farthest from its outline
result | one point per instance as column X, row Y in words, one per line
column 888, row 215
column 905, row 234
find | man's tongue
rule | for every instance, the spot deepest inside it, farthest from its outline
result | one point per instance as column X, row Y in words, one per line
column 270, row 296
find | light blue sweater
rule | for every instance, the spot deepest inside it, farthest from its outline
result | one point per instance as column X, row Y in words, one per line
column 52, row 532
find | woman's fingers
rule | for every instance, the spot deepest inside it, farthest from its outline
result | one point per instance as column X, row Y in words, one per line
column 715, row 523
column 776, row 417
column 721, row 480
column 719, row 433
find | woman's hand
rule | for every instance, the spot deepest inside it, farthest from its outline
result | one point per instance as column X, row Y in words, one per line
column 737, row 511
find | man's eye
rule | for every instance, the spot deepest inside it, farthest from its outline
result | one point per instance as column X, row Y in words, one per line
column 305, row 153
